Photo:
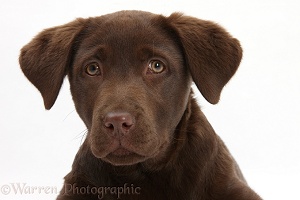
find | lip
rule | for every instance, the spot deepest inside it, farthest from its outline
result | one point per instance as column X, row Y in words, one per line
column 121, row 152
column 122, row 156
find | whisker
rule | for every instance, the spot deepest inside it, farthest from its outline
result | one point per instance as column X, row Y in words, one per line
column 81, row 135
column 68, row 115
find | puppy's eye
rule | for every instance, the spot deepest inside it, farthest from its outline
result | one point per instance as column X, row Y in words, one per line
column 156, row 66
column 93, row 69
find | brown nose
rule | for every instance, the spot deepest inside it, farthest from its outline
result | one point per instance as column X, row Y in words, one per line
column 119, row 122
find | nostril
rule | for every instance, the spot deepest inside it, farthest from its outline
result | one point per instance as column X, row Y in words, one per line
column 109, row 125
column 127, row 125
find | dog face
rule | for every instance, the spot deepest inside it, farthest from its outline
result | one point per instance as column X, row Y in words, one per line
column 126, row 82
column 130, row 74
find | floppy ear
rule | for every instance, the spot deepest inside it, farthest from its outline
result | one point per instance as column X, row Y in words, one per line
column 45, row 60
column 211, row 54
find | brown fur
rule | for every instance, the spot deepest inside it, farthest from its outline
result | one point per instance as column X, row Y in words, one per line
column 145, row 129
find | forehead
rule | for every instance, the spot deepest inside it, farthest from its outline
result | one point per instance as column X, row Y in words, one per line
column 127, row 31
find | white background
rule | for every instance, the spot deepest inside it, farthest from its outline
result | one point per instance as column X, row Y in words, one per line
column 258, row 116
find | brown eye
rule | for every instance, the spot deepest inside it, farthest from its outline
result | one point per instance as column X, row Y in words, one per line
column 156, row 66
column 93, row 69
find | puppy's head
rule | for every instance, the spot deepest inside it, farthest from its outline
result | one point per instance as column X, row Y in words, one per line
column 130, row 74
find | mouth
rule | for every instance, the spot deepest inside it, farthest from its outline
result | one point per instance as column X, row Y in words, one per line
column 120, row 152
column 122, row 156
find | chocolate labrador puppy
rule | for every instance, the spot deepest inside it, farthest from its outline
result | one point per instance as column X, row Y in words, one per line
column 130, row 74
